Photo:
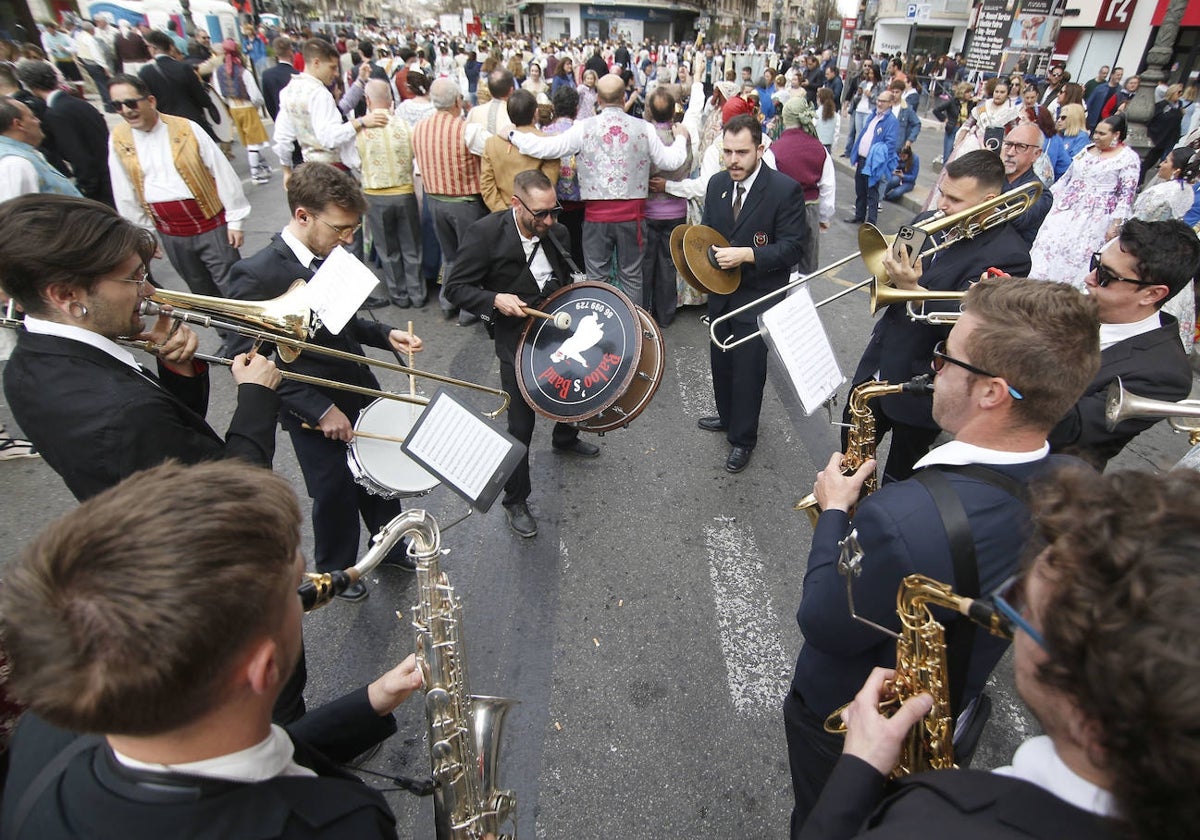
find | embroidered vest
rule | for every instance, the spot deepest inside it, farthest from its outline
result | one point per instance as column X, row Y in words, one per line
column 294, row 100
column 185, row 151
column 387, row 157
column 447, row 167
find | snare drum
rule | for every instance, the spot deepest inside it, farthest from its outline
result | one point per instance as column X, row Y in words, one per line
column 381, row 465
column 601, row 372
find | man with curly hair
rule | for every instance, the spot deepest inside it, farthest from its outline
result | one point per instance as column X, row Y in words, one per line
column 1106, row 657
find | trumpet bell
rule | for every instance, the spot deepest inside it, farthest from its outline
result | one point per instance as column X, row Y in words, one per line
column 882, row 295
column 873, row 244
column 289, row 314
column 1121, row 405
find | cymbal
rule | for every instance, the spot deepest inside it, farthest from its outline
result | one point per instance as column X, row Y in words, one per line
column 680, row 262
column 698, row 242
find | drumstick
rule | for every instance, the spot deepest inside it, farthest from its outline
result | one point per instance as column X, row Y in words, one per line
column 412, row 380
column 356, row 433
column 562, row 320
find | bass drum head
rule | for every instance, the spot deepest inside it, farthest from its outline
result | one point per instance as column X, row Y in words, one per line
column 573, row 374
column 645, row 382
column 381, row 465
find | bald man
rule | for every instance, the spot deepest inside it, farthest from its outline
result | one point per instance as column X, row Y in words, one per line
column 1019, row 152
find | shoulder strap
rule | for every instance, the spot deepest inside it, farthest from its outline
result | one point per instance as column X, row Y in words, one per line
column 53, row 768
column 960, row 636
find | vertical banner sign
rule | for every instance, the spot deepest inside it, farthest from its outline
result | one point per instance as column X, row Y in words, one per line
column 846, row 43
column 1013, row 36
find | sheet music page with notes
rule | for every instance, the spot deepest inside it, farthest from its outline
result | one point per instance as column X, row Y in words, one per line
column 458, row 445
column 794, row 331
column 339, row 288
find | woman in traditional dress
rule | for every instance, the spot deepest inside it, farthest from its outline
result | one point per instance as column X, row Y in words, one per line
column 235, row 85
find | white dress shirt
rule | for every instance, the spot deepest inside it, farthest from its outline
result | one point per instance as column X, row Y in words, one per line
column 17, row 177
column 270, row 758
column 327, row 125
column 162, row 181
column 540, row 266
column 1037, row 762
column 1111, row 334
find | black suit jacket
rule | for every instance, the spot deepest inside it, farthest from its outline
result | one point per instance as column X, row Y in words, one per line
column 945, row 803
column 901, row 348
column 96, row 420
column 83, row 140
column 481, row 273
column 177, row 89
column 275, row 79
column 1152, row 365
column 268, row 274
column 96, row 797
column 772, row 222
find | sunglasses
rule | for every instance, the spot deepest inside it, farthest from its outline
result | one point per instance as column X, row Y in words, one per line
column 1105, row 275
column 940, row 358
column 131, row 104
column 541, row 215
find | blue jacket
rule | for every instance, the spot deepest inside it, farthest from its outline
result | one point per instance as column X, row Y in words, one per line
column 910, row 125
column 1095, row 103
column 881, row 158
column 1060, row 156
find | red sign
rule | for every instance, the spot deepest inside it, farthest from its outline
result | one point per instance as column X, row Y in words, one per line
column 1191, row 15
column 1116, row 14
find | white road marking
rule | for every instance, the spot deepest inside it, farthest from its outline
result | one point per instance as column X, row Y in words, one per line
column 757, row 668
column 564, row 554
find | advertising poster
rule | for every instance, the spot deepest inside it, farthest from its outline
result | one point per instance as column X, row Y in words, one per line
column 1015, row 36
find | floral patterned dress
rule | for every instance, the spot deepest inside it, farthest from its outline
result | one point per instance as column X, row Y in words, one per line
column 1157, row 203
column 1096, row 191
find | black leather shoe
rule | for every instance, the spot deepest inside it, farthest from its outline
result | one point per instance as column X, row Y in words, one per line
column 854, row 221
column 581, row 448
column 711, row 424
column 738, row 458
column 354, row 593
column 401, row 303
column 375, row 303
column 521, row 520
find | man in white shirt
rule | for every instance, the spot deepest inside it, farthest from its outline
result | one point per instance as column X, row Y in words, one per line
column 89, row 52
column 23, row 169
column 169, row 176
column 1132, row 276
column 183, row 624
column 1105, row 657
column 1018, row 357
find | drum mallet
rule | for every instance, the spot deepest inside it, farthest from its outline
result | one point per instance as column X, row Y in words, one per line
column 562, row 320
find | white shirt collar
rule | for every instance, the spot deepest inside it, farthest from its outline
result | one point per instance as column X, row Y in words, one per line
column 74, row 333
column 1037, row 762
column 748, row 183
column 1111, row 334
column 301, row 251
column 525, row 240
column 271, row 757
column 957, row 453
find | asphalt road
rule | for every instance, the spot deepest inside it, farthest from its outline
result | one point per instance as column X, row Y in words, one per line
column 647, row 632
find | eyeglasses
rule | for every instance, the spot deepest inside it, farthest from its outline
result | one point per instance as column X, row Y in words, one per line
column 138, row 278
column 340, row 230
column 1019, row 147
column 541, row 215
column 1105, row 275
column 938, row 362
column 131, row 104
column 1009, row 599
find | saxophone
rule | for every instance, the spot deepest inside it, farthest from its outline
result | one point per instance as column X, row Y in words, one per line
column 921, row 663
column 860, row 441
column 464, row 729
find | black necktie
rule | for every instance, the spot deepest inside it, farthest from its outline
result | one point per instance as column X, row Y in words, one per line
column 737, row 201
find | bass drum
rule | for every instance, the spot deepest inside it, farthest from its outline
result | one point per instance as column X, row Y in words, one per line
column 599, row 373
column 381, row 465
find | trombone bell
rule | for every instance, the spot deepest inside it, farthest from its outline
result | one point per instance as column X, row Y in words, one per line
column 882, row 295
column 1121, row 405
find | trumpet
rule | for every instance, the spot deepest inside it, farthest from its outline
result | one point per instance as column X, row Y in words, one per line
column 1121, row 405
column 287, row 322
column 873, row 245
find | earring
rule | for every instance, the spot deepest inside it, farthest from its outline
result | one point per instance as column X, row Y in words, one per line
column 81, row 314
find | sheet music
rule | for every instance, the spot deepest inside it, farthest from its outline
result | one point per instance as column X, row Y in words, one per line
column 794, row 331
column 339, row 288
column 458, row 445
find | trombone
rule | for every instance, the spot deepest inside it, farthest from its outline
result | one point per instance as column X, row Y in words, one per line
column 873, row 245
column 1121, row 405
column 287, row 322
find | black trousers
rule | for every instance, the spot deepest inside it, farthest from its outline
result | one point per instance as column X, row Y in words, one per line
column 812, row 753
column 520, row 425
column 866, row 197
column 338, row 501
column 660, row 293
column 739, row 376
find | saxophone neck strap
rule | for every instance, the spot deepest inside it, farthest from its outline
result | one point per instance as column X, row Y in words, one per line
column 960, row 636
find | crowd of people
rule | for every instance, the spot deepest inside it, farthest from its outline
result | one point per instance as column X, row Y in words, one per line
column 582, row 159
